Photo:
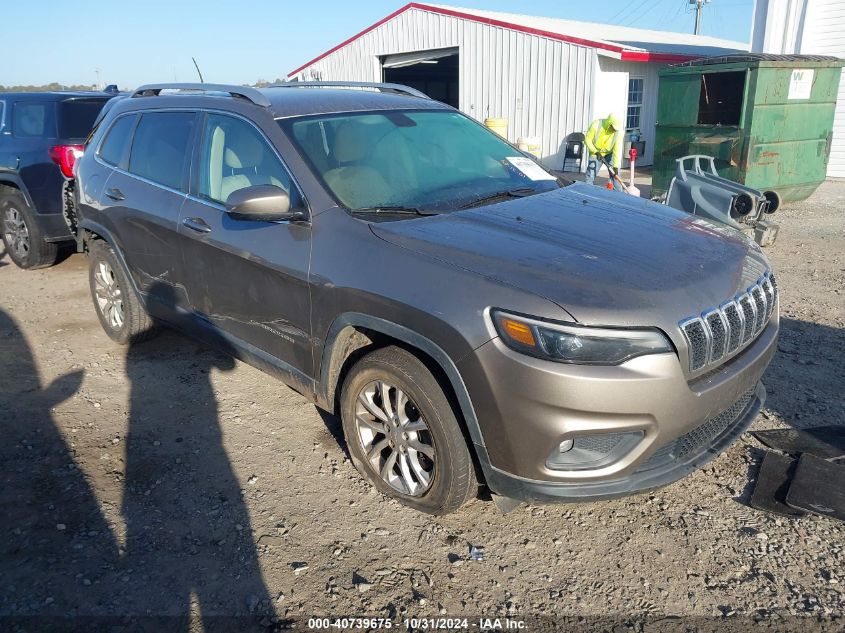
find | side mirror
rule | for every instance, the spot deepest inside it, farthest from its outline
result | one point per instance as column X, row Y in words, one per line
column 263, row 203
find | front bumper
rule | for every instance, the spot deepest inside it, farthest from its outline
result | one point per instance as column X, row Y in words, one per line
column 526, row 407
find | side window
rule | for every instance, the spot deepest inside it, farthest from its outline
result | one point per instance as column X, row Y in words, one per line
column 2, row 115
column 31, row 120
column 160, row 146
column 235, row 156
column 115, row 146
column 635, row 103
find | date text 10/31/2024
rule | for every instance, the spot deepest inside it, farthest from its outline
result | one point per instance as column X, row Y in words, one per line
column 418, row 624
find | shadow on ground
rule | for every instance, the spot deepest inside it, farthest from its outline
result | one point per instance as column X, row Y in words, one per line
column 55, row 540
column 804, row 381
column 189, row 546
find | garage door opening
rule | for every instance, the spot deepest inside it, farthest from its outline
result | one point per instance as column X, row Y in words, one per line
column 433, row 72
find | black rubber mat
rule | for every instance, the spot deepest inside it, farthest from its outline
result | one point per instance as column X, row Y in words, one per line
column 827, row 442
column 769, row 494
column 818, row 486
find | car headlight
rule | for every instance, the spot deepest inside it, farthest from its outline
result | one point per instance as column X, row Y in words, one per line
column 578, row 344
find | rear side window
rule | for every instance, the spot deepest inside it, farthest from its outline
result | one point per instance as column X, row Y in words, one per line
column 2, row 114
column 116, row 144
column 160, row 147
column 32, row 120
column 76, row 117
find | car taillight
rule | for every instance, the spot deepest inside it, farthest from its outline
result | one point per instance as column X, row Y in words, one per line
column 65, row 156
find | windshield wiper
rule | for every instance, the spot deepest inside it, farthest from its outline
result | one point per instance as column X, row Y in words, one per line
column 393, row 210
column 510, row 193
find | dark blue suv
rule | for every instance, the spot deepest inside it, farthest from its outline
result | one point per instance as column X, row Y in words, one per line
column 41, row 134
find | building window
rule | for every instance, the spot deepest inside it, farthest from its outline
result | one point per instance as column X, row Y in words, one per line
column 635, row 102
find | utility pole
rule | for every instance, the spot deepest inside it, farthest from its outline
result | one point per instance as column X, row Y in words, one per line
column 699, row 4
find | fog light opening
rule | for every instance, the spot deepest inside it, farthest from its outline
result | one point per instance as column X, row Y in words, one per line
column 592, row 450
column 566, row 445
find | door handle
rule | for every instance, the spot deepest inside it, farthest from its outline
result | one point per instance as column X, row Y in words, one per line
column 197, row 224
column 115, row 194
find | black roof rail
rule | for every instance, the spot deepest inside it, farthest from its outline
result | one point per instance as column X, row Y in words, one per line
column 243, row 92
column 381, row 87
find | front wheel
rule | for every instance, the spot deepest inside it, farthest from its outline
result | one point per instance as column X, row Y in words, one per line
column 403, row 434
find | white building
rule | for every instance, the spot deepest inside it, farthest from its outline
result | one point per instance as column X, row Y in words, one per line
column 806, row 27
column 549, row 77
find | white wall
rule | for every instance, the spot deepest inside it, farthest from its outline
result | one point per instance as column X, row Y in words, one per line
column 777, row 26
column 543, row 87
column 610, row 92
column 611, row 69
column 808, row 27
column 824, row 34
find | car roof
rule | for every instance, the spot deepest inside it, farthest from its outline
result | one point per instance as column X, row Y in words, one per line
column 301, row 101
column 279, row 101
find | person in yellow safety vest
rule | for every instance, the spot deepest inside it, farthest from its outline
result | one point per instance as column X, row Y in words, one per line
column 603, row 139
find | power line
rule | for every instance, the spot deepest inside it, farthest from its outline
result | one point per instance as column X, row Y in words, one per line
column 644, row 13
column 629, row 10
column 618, row 13
column 681, row 5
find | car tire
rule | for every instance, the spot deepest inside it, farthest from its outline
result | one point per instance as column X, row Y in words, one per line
column 439, row 477
column 22, row 236
column 118, row 305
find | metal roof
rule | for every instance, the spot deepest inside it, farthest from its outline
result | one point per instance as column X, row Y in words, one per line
column 626, row 43
column 765, row 58
column 627, row 38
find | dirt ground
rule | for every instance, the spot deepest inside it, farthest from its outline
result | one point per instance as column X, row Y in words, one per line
column 150, row 484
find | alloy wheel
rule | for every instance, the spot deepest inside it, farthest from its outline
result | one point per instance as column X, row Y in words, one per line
column 396, row 439
column 108, row 295
column 16, row 232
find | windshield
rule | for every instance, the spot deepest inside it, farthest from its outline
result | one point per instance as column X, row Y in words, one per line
column 426, row 161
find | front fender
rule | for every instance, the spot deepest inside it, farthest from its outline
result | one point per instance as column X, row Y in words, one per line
column 326, row 389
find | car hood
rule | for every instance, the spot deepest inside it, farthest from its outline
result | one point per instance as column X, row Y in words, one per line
column 605, row 257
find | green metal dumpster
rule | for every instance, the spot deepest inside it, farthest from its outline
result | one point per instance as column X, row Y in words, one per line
column 766, row 119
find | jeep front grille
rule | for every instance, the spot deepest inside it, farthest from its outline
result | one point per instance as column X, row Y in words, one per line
column 720, row 332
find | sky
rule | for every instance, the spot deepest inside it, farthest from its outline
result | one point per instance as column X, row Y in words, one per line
column 131, row 42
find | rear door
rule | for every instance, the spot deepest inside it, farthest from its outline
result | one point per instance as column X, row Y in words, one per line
column 33, row 129
column 247, row 278
column 142, row 197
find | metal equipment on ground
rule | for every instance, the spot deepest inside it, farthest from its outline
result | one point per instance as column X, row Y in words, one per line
column 698, row 189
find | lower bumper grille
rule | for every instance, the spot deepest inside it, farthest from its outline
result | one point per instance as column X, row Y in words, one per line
column 700, row 437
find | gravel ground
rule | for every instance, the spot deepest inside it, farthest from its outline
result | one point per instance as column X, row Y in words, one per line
column 167, row 481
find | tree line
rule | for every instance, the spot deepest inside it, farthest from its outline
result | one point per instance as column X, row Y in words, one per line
column 52, row 87
column 46, row 88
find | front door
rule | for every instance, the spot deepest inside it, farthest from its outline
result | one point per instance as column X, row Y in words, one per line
column 247, row 278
